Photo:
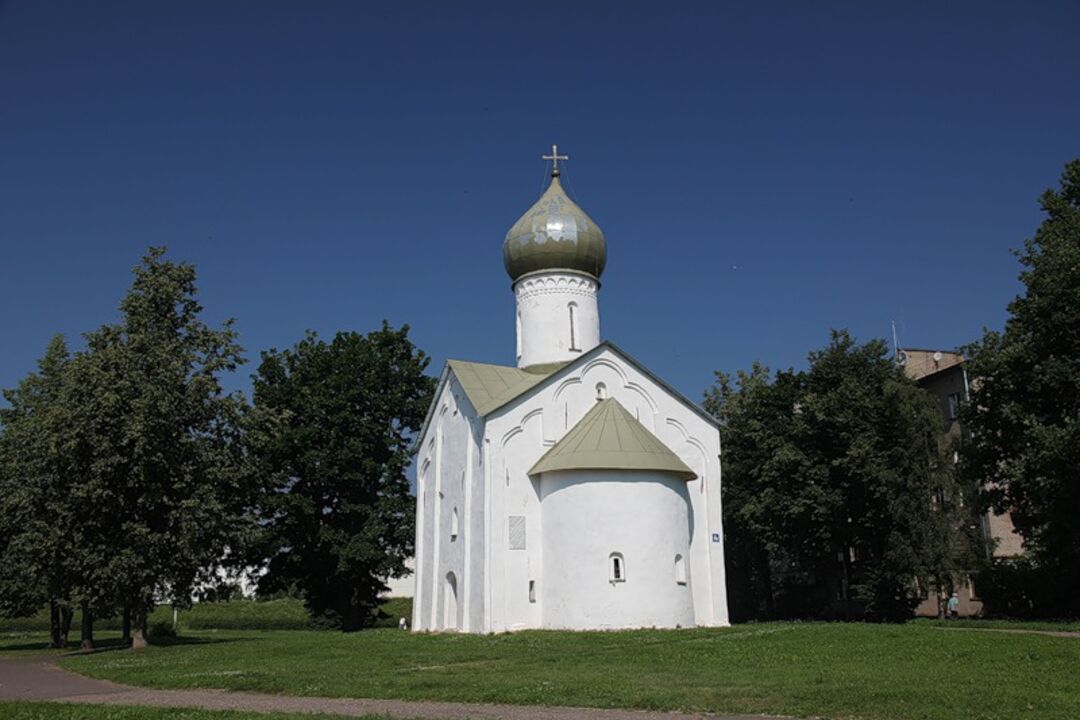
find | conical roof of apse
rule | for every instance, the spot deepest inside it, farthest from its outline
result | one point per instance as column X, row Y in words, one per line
column 610, row 438
column 554, row 234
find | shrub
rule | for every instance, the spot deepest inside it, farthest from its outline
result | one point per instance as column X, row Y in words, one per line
column 1019, row 588
column 161, row 629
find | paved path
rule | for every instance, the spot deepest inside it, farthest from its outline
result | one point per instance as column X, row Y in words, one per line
column 40, row 679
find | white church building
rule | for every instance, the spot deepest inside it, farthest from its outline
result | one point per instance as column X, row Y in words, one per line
column 576, row 490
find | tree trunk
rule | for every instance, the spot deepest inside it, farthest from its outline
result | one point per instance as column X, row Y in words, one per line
column 765, row 566
column 87, row 628
column 846, row 583
column 66, row 616
column 125, row 627
column 138, row 638
column 349, row 618
column 56, row 638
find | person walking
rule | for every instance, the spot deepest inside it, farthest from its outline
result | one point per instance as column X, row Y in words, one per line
column 954, row 607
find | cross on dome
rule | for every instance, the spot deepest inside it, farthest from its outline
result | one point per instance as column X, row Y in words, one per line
column 554, row 157
column 554, row 234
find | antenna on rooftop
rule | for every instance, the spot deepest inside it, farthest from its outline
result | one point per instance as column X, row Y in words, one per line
column 898, row 355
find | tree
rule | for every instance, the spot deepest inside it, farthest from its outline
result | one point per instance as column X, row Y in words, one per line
column 1024, row 413
column 756, row 414
column 156, row 447
column 839, row 499
column 330, row 435
column 37, row 510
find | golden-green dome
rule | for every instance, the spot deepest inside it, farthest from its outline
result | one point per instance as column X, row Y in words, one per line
column 554, row 234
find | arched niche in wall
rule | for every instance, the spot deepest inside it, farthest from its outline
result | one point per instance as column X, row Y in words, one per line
column 450, row 603
column 690, row 449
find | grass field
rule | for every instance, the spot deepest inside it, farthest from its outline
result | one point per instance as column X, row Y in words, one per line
column 56, row 711
column 913, row 671
column 979, row 623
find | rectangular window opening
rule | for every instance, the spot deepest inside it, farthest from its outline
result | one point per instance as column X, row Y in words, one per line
column 954, row 405
column 617, row 565
column 516, row 532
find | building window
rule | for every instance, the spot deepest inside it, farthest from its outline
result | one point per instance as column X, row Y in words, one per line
column 680, row 570
column 573, row 326
column 618, row 568
column 532, row 591
column 601, row 391
column 954, row 405
column 453, row 525
column 516, row 530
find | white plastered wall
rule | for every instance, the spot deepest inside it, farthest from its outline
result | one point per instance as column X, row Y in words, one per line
column 514, row 495
column 590, row 518
column 448, row 465
column 518, row 434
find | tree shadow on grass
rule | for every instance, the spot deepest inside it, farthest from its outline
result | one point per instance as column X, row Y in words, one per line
column 179, row 641
column 188, row 640
column 23, row 645
column 109, row 645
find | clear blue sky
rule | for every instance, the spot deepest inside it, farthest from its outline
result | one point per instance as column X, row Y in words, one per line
column 762, row 171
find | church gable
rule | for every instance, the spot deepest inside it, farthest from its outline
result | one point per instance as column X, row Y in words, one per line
column 491, row 387
column 606, row 353
column 557, row 404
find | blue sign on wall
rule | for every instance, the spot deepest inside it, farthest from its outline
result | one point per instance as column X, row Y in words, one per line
column 716, row 537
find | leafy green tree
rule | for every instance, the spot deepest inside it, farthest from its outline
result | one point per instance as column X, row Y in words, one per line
column 37, row 510
column 156, row 446
column 839, row 497
column 1024, row 413
column 330, row 435
column 756, row 413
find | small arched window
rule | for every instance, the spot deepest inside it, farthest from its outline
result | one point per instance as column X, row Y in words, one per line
column 680, row 569
column 453, row 525
column 573, row 326
column 617, row 568
column 601, row 391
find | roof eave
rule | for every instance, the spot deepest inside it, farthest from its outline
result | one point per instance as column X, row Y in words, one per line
column 443, row 377
column 683, row 474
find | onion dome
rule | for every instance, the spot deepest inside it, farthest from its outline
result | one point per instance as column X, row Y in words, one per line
column 554, row 234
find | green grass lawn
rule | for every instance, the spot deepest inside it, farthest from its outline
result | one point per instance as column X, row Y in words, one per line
column 836, row 670
column 58, row 711
column 984, row 624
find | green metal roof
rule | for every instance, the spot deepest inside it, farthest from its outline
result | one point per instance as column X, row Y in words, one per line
column 489, row 387
column 610, row 438
column 554, row 234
